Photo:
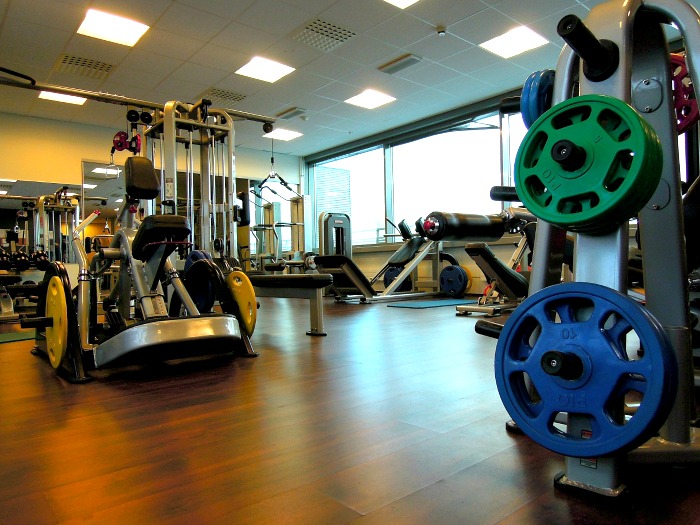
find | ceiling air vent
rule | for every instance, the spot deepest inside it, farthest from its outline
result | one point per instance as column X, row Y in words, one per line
column 220, row 98
column 85, row 67
column 323, row 35
column 399, row 64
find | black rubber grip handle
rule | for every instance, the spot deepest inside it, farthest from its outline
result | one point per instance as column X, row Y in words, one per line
column 600, row 57
column 36, row 322
column 488, row 328
column 504, row 193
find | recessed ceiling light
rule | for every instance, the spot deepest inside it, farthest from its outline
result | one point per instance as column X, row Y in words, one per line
column 370, row 99
column 8, row 180
column 107, row 171
column 402, row 4
column 89, row 186
column 514, row 42
column 264, row 69
column 282, row 134
column 3, row 192
column 111, row 28
column 59, row 97
column 119, row 200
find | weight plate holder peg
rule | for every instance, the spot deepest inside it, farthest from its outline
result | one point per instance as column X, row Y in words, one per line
column 588, row 164
column 244, row 296
column 582, row 350
column 684, row 101
column 536, row 95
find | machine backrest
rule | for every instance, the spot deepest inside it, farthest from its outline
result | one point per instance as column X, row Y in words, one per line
column 141, row 179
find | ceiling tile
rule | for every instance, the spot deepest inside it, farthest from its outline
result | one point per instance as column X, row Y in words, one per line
column 332, row 67
column 195, row 23
column 437, row 48
column 339, row 91
column 218, row 57
column 274, row 17
column 244, row 39
column 401, row 30
column 445, row 12
column 544, row 57
column 470, row 60
column 169, row 44
column 18, row 43
column 145, row 61
column 527, row 12
column 86, row 47
column 311, row 6
column 223, row 8
column 547, row 26
column 293, row 53
column 467, row 89
column 202, row 74
column 138, row 10
column 359, row 15
column 431, row 74
column 482, row 26
column 57, row 15
column 367, row 51
column 175, row 89
column 504, row 75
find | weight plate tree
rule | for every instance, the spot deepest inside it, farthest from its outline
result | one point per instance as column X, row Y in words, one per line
column 588, row 164
column 568, row 349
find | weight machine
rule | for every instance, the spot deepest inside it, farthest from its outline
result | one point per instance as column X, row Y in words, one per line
column 578, row 352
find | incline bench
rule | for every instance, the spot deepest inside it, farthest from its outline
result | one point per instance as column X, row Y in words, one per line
column 304, row 286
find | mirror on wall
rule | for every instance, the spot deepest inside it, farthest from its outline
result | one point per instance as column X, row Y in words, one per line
column 103, row 188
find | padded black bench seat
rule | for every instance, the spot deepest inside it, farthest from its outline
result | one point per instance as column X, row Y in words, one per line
column 158, row 228
column 305, row 286
column 7, row 279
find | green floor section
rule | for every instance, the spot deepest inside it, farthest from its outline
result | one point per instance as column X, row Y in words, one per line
column 24, row 335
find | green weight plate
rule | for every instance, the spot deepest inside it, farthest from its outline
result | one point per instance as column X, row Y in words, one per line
column 588, row 164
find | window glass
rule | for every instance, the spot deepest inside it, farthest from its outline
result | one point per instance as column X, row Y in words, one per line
column 450, row 172
column 354, row 185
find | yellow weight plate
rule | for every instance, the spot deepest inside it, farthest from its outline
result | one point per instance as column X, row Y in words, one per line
column 57, row 310
column 470, row 278
column 244, row 295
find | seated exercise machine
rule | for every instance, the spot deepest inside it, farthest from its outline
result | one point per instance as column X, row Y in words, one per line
column 138, row 326
column 349, row 283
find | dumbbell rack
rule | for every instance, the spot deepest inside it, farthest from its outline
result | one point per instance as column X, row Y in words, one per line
column 640, row 77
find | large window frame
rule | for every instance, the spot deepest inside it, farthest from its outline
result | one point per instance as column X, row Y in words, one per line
column 438, row 124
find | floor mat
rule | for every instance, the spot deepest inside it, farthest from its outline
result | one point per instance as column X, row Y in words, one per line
column 24, row 335
column 431, row 304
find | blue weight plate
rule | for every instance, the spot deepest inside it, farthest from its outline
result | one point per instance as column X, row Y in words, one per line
column 540, row 99
column 525, row 100
column 453, row 280
column 591, row 323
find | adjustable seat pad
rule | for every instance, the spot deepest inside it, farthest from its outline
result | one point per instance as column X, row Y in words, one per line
column 158, row 228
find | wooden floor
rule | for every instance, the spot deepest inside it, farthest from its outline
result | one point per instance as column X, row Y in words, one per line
column 393, row 418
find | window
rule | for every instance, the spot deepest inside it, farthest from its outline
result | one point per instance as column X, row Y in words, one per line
column 451, row 171
column 354, row 185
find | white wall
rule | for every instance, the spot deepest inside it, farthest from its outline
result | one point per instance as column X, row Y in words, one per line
column 43, row 150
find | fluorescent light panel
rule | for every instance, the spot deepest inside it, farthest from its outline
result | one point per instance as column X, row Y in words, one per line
column 89, row 186
column 119, row 200
column 8, row 180
column 401, row 4
column 282, row 134
column 111, row 28
column 3, row 192
column 264, row 69
column 107, row 171
column 59, row 97
column 514, row 42
column 370, row 99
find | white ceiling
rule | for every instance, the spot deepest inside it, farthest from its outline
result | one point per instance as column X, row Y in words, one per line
column 194, row 45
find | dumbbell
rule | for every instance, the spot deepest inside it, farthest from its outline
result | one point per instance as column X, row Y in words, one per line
column 41, row 260
column 5, row 261
column 21, row 261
